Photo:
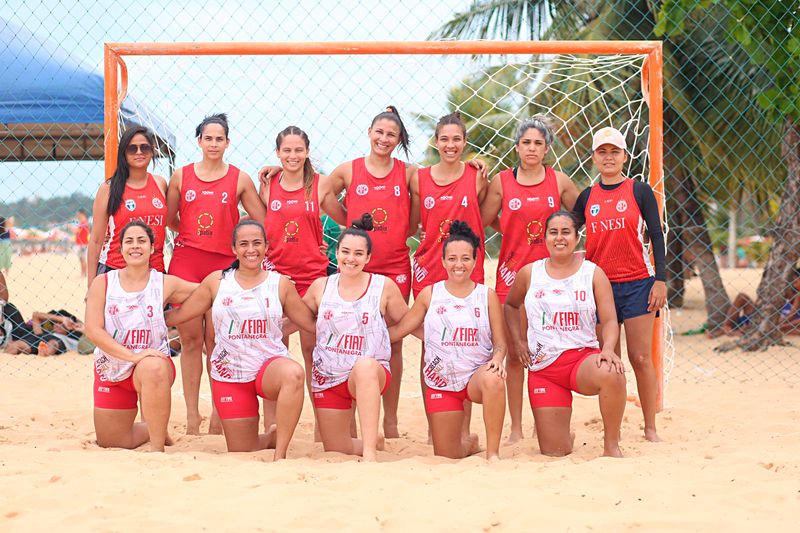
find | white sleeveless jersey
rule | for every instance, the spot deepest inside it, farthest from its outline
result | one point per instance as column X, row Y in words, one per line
column 562, row 314
column 247, row 328
column 348, row 331
column 458, row 337
column 133, row 319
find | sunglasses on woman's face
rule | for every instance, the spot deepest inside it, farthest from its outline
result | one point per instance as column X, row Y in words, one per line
column 133, row 149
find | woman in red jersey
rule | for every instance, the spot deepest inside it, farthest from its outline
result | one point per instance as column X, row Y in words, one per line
column 617, row 212
column 527, row 195
column 293, row 226
column 131, row 193
column 205, row 196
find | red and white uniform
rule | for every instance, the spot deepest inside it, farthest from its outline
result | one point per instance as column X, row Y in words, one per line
column 247, row 328
column 294, row 233
column 209, row 210
column 458, row 337
column 133, row 319
column 387, row 199
column 348, row 331
column 525, row 210
column 441, row 205
column 615, row 234
column 562, row 314
column 146, row 204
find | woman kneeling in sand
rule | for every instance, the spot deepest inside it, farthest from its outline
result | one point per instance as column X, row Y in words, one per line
column 249, row 358
column 464, row 349
column 125, row 320
column 562, row 352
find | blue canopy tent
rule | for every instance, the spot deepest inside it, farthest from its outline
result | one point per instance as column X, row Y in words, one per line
column 51, row 108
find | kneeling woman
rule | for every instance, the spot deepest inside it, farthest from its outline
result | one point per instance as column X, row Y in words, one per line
column 125, row 320
column 351, row 357
column 562, row 353
column 249, row 358
column 464, row 349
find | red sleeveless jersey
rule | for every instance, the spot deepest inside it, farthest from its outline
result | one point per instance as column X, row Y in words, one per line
column 442, row 204
column 294, row 233
column 209, row 211
column 388, row 200
column 614, row 234
column 525, row 210
column 146, row 204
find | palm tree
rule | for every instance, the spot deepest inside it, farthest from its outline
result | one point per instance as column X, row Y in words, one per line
column 716, row 142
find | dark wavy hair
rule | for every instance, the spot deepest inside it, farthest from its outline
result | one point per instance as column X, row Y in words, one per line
column 119, row 178
column 308, row 169
column 360, row 228
column 461, row 231
column 393, row 114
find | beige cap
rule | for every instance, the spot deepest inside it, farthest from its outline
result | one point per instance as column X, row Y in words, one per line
column 609, row 136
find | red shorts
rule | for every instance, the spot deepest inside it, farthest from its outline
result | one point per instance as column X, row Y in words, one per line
column 194, row 264
column 401, row 276
column 552, row 386
column 339, row 397
column 119, row 394
column 440, row 401
column 239, row 400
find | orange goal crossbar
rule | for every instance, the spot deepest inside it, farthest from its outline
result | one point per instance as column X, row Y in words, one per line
column 116, row 85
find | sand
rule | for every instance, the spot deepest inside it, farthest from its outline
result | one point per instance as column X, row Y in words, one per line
column 730, row 461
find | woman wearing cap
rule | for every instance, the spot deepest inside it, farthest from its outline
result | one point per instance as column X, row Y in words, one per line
column 618, row 211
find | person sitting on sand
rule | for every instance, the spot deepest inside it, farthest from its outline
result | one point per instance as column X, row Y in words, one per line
column 464, row 349
column 742, row 308
column 125, row 320
column 562, row 352
column 29, row 337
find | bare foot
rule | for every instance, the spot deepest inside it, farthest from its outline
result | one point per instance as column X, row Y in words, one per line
column 471, row 444
column 193, row 424
column 390, row 430
column 612, row 450
column 215, row 424
column 493, row 458
column 650, row 435
column 169, row 441
column 515, row 437
column 271, row 436
column 381, row 443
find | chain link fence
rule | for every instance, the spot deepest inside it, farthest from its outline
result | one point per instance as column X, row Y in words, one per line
column 723, row 165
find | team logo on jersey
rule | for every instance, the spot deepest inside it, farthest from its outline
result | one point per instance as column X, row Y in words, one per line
column 514, row 204
column 275, row 205
column 622, row 205
column 291, row 229
column 401, row 278
column 539, row 294
column 158, row 204
column 441, row 310
column 444, row 233
column 594, row 209
column 429, row 202
column 204, row 223
column 380, row 216
column 227, row 301
column 328, row 314
column 190, row 195
column 362, row 189
column 112, row 310
column 130, row 205
column 534, row 231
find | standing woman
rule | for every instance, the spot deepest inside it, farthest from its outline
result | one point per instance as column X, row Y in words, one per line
column 205, row 196
column 6, row 250
column 618, row 211
column 527, row 195
column 131, row 193
column 351, row 358
column 562, row 352
column 464, row 349
column 249, row 359
column 125, row 320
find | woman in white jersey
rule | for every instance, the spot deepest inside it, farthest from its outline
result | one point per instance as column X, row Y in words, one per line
column 125, row 320
column 563, row 297
column 464, row 349
column 351, row 357
column 249, row 358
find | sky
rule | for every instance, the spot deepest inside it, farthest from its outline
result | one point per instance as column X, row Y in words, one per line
column 332, row 98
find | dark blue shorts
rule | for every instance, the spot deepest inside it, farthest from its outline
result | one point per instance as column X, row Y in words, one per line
column 630, row 298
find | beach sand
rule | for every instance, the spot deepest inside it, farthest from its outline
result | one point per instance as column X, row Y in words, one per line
column 730, row 461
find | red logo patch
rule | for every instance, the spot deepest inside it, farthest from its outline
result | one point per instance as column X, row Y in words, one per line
column 538, row 294
column 227, row 301
column 328, row 314
column 113, row 310
column 441, row 310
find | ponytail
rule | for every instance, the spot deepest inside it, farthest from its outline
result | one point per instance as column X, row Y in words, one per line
column 309, row 174
column 460, row 231
column 359, row 227
column 391, row 113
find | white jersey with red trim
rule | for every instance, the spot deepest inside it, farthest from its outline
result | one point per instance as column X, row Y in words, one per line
column 247, row 328
column 133, row 319
column 562, row 314
column 458, row 337
column 348, row 331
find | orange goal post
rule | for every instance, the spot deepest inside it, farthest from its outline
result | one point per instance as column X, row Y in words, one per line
column 584, row 85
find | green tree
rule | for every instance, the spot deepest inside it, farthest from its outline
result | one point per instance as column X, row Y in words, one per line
column 769, row 31
column 715, row 143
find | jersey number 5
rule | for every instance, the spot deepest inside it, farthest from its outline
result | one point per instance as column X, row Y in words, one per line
column 365, row 318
